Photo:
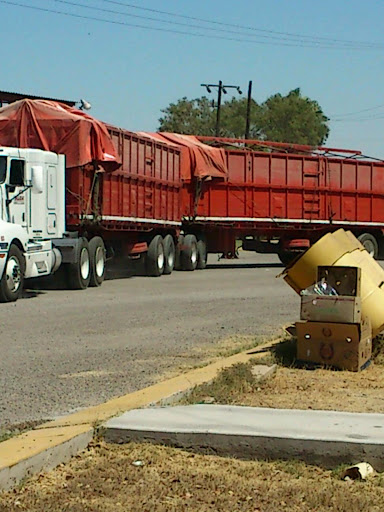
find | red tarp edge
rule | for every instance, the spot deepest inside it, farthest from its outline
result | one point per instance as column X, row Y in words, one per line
column 53, row 126
column 205, row 161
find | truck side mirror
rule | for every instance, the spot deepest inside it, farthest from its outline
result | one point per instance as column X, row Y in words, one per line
column 37, row 178
column 28, row 175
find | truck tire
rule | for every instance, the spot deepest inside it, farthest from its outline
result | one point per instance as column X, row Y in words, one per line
column 11, row 284
column 370, row 244
column 189, row 254
column 201, row 254
column 169, row 253
column 97, row 255
column 155, row 259
column 286, row 257
column 180, row 242
column 79, row 273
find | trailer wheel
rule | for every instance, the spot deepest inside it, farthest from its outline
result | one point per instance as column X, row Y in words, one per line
column 11, row 284
column 189, row 254
column 286, row 257
column 169, row 252
column 155, row 259
column 79, row 273
column 180, row 242
column 97, row 256
column 201, row 254
column 370, row 244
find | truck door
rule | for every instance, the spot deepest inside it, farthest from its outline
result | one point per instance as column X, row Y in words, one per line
column 51, row 199
column 18, row 195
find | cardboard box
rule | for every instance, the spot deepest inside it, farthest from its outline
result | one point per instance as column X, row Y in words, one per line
column 345, row 280
column 331, row 308
column 341, row 345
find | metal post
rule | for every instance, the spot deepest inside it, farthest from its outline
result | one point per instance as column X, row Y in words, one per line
column 219, row 91
column 248, row 121
column 221, row 88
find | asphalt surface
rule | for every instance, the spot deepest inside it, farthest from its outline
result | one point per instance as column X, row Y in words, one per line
column 65, row 350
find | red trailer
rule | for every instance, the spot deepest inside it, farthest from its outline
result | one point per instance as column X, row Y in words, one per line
column 172, row 198
column 281, row 201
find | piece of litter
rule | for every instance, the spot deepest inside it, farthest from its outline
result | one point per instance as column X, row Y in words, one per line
column 138, row 463
column 358, row 472
column 208, row 400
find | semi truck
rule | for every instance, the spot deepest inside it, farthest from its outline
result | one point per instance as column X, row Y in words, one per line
column 75, row 191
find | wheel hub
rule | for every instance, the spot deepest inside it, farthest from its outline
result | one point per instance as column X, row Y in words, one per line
column 160, row 258
column 13, row 274
column 99, row 262
column 84, row 263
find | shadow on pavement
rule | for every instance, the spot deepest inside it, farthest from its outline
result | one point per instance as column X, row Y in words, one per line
column 222, row 266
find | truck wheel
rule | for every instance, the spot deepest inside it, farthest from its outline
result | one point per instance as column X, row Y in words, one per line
column 169, row 252
column 370, row 244
column 79, row 273
column 180, row 242
column 201, row 255
column 97, row 259
column 286, row 257
column 11, row 284
column 155, row 260
column 189, row 254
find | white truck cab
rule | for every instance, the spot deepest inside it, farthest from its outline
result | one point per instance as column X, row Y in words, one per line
column 32, row 216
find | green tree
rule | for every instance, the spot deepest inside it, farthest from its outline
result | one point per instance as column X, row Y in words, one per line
column 293, row 118
column 186, row 116
column 233, row 119
column 198, row 117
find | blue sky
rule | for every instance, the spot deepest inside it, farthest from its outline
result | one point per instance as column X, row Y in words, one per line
column 130, row 73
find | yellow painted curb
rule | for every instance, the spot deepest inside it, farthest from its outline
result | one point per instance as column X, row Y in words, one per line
column 157, row 392
column 31, row 443
column 57, row 441
column 40, row 450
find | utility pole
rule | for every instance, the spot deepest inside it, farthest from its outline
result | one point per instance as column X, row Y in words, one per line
column 249, row 102
column 221, row 89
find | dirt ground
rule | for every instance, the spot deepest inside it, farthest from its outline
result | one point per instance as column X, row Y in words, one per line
column 105, row 479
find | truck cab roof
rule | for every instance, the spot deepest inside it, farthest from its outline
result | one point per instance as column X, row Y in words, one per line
column 32, row 155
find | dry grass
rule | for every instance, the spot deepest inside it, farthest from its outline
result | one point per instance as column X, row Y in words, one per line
column 104, row 480
column 299, row 388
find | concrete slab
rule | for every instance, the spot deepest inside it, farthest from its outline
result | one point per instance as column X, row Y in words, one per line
column 262, row 372
column 323, row 438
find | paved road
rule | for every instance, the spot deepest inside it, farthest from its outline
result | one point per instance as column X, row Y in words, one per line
column 63, row 350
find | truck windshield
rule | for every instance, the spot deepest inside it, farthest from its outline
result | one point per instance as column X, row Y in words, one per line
column 3, row 168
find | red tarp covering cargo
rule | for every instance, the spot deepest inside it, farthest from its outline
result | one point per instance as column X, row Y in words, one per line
column 56, row 127
column 201, row 160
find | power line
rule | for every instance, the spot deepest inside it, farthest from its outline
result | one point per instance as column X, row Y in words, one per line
column 358, row 120
column 189, row 25
column 245, row 27
column 359, row 111
column 161, row 29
